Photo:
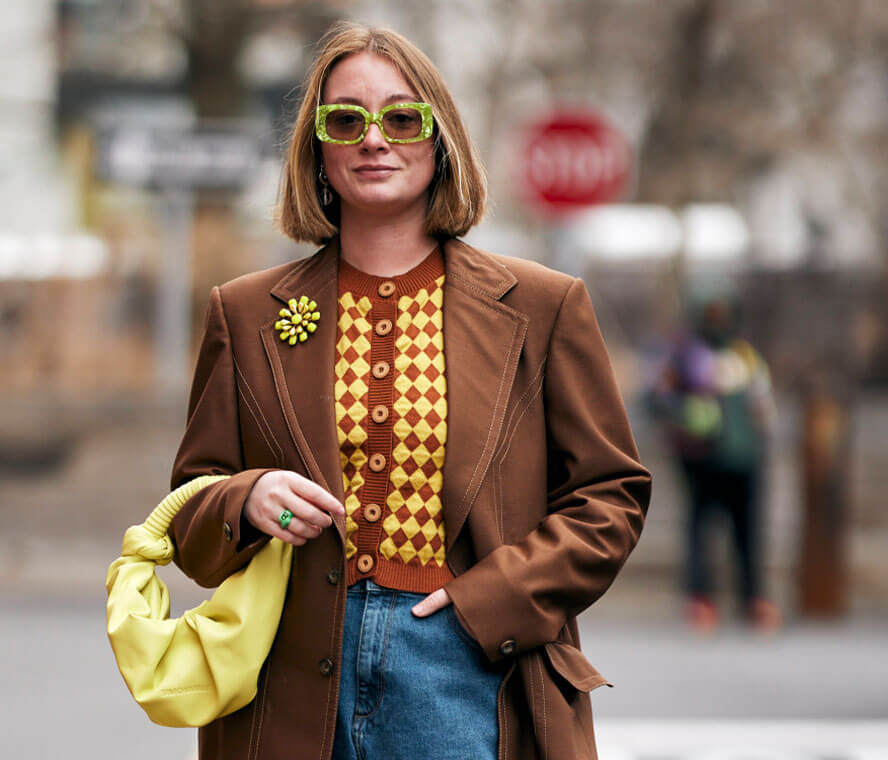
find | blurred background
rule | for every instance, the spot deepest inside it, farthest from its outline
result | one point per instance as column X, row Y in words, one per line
column 675, row 154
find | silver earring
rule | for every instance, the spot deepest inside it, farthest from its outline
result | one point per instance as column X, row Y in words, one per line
column 326, row 195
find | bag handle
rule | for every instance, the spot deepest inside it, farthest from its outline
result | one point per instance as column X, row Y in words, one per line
column 158, row 522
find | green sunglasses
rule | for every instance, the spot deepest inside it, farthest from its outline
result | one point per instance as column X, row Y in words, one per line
column 347, row 124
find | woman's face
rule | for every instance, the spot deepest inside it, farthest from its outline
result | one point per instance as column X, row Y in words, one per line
column 374, row 175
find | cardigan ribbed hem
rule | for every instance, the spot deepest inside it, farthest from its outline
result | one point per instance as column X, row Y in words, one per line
column 395, row 574
column 407, row 283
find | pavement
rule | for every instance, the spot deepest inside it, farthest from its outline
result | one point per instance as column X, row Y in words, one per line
column 741, row 740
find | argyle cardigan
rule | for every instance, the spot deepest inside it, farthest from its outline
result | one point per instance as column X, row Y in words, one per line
column 391, row 417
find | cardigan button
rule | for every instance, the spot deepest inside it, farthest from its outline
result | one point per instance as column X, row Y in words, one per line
column 372, row 512
column 377, row 462
column 380, row 369
column 333, row 576
column 380, row 413
column 383, row 327
column 507, row 647
column 386, row 288
column 365, row 563
column 326, row 666
column 226, row 531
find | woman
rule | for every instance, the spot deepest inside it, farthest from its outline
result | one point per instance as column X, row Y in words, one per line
column 437, row 431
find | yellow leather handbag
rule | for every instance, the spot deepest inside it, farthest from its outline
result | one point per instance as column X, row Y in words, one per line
column 188, row 671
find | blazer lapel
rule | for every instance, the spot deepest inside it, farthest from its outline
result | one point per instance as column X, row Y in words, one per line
column 483, row 339
column 303, row 373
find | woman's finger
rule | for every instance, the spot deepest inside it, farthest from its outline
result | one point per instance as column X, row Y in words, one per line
column 274, row 529
column 305, row 512
column 314, row 494
column 303, row 529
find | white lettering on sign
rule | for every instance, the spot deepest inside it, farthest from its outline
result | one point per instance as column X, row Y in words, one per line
column 576, row 165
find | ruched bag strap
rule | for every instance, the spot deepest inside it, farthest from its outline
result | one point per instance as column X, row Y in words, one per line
column 158, row 522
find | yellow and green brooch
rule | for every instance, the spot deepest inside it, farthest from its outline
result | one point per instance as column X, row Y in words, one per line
column 298, row 321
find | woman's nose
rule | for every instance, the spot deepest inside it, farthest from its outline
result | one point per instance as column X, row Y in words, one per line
column 373, row 138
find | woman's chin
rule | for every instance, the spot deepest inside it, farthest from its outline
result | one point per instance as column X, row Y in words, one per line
column 381, row 202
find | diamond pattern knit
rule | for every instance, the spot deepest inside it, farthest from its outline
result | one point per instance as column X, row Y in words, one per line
column 391, row 415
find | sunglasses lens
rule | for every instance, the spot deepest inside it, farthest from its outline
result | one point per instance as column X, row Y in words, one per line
column 344, row 124
column 402, row 123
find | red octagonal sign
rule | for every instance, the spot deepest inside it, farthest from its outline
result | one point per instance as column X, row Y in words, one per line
column 573, row 159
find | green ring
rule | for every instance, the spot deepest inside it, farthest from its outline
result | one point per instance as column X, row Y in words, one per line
column 284, row 518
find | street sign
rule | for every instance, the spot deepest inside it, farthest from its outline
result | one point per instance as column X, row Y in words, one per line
column 214, row 157
column 573, row 159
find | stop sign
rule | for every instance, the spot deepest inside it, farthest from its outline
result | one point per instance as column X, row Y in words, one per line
column 574, row 158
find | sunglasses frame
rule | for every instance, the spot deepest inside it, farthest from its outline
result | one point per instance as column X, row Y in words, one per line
column 425, row 110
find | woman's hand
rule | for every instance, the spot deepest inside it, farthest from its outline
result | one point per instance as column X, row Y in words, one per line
column 432, row 603
column 307, row 501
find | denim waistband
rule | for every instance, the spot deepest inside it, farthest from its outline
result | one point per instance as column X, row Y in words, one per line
column 366, row 586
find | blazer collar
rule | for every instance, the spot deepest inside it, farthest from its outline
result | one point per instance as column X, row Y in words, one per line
column 483, row 338
column 461, row 262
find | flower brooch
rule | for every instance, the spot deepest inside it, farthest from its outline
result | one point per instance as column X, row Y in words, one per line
column 298, row 321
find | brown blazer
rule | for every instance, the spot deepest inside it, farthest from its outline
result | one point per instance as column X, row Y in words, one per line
column 544, row 496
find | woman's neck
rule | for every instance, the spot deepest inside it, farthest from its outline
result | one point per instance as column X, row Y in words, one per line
column 384, row 246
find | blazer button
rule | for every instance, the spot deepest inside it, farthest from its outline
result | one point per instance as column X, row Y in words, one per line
column 333, row 576
column 383, row 327
column 326, row 666
column 507, row 647
column 380, row 413
column 372, row 512
column 380, row 369
column 226, row 530
column 386, row 288
column 377, row 462
column 365, row 563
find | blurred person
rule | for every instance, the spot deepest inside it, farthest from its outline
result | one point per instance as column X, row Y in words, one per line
column 431, row 609
column 714, row 393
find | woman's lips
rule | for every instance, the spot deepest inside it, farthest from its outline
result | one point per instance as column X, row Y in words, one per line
column 375, row 171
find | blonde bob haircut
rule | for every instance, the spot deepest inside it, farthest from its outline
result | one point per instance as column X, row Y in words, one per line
column 458, row 191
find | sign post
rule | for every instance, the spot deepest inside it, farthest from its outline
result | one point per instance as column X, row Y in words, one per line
column 175, row 164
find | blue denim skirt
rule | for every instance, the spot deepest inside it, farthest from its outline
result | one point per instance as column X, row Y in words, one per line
column 412, row 687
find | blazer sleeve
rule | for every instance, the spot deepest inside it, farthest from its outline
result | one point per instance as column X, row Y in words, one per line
column 212, row 538
column 597, row 491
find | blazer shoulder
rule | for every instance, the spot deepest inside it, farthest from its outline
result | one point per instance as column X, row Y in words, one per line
column 528, row 268
column 536, row 281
